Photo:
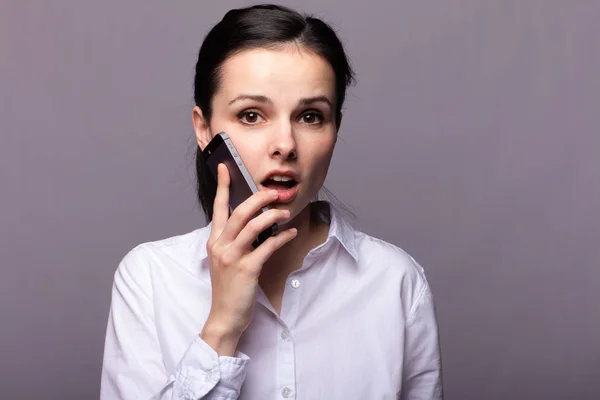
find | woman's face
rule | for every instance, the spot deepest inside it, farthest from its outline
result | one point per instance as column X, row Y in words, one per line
column 278, row 108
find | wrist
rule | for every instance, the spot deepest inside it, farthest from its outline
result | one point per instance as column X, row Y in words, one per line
column 222, row 340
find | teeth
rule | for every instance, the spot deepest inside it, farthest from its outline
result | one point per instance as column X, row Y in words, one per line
column 280, row 178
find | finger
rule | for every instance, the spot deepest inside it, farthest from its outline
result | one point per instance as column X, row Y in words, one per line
column 221, row 203
column 245, row 211
column 262, row 253
column 256, row 225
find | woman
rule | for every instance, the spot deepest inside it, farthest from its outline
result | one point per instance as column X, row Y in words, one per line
column 318, row 311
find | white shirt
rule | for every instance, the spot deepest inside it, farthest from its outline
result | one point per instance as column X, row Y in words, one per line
column 357, row 322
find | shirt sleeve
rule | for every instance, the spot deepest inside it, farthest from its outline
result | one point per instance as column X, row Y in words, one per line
column 132, row 365
column 422, row 372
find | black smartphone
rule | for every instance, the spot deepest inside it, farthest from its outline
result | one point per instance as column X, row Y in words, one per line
column 221, row 150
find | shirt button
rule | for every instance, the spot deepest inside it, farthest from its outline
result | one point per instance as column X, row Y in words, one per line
column 295, row 283
column 285, row 334
column 286, row 392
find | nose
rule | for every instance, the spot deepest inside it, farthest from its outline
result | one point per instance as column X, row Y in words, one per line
column 283, row 144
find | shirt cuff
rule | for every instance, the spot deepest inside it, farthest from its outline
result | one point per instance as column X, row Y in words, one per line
column 202, row 370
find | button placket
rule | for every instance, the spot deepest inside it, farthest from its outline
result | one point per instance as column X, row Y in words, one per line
column 292, row 295
column 286, row 363
column 286, row 360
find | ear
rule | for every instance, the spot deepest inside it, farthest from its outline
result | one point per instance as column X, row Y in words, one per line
column 201, row 127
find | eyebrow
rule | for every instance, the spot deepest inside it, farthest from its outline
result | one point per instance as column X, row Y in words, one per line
column 263, row 99
column 258, row 98
column 316, row 99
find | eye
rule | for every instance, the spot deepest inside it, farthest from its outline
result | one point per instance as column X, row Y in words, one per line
column 312, row 118
column 249, row 117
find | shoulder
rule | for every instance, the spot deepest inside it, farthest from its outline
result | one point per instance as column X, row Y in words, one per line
column 159, row 256
column 377, row 253
column 394, row 267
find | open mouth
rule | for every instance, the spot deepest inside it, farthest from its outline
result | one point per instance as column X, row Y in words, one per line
column 278, row 184
column 285, row 185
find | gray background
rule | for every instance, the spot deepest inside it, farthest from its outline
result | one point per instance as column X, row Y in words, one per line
column 471, row 141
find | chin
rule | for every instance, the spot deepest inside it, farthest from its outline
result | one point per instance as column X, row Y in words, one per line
column 295, row 207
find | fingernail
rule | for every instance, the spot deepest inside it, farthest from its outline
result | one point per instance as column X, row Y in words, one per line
column 273, row 192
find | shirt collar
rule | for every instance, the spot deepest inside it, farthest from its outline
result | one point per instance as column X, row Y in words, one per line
column 340, row 229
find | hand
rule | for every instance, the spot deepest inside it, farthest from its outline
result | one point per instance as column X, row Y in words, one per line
column 234, row 264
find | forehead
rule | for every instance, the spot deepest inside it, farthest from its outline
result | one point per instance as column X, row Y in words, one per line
column 286, row 72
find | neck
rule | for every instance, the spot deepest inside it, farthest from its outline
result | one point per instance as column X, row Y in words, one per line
column 290, row 257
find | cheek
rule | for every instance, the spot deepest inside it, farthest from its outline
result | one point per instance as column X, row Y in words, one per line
column 251, row 151
column 247, row 148
column 321, row 157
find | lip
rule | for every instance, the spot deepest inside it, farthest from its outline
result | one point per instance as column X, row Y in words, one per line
column 285, row 195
